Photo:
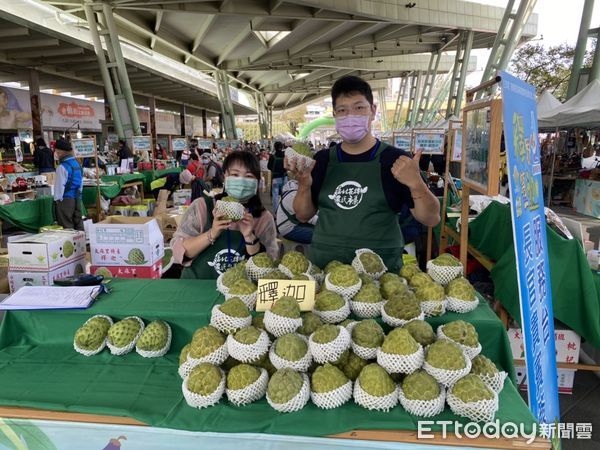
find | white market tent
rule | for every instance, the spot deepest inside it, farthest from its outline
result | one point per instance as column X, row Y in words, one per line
column 547, row 104
column 582, row 110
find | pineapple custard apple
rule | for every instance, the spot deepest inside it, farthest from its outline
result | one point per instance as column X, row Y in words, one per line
column 332, row 265
column 389, row 277
column 483, row 366
column 371, row 262
column 369, row 293
column 461, row 289
column 184, row 353
column 258, row 321
column 123, row 332
column 235, row 212
column 284, row 385
column 233, row 274
column 344, row 276
column 205, row 341
column 328, row 301
column 409, row 270
column 234, row 307
column 247, row 335
column 277, row 275
column 431, row 292
column 420, row 279
column 404, row 307
column 291, row 347
column 286, row 307
column 399, row 342
column 419, row 385
column 295, row 262
column 310, row 323
column 154, row 337
column 461, row 332
column 392, row 286
column 445, row 354
column 241, row 376
column 354, row 365
column 326, row 333
column 89, row 337
column 263, row 261
column 101, row 322
column 366, row 279
column 204, row 379
column 421, row 332
column 368, row 333
column 374, row 380
column 446, row 259
column 242, row 286
column 135, row 257
column 327, row 378
column 471, row 388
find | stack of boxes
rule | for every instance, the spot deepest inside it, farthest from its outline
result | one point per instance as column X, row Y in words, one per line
column 40, row 259
column 127, row 247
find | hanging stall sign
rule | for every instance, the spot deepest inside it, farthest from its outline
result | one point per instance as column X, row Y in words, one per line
column 179, row 144
column 529, row 231
column 204, row 144
column 222, row 144
column 428, row 141
column 455, row 140
column 141, row 143
column 402, row 141
column 84, row 147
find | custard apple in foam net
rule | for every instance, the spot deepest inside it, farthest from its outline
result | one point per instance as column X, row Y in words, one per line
column 233, row 274
column 347, row 322
column 431, row 292
column 284, row 385
column 371, row 262
column 445, row 354
column 310, row 323
column 369, row 293
column 184, row 353
column 399, row 342
column 420, row 279
column 332, row 265
column 303, row 149
column 205, row 341
column 315, row 271
column 461, row 289
column 258, row 321
column 154, row 337
column 446, row 259
column 391, row 287
column 419, row 385
column 123, row 332
column 264, row 261
column 342, row 360
column 287, row 307
column 302, row 276
column 409, row 270
column 233, row 214
column 376, row 381
column 344, row 276
column 471, row 389
column 368, row 333
column 242, row 287
column 89, row 337
column 483, row 366
column 248, row 335
column 462, row 332
column 325, row 333
column 328, row 301
column 388, row 277
column 277, row 275
column 265, row 363
column 327, row 378
column 234, row 307
column 291, row 347
column 230, row 363
column 366, row 279
column 101, row 322
column 296, row 262
column 421, row 332
column 241, row 376
column 353, row 366
column 204, row 379
column 403, row 307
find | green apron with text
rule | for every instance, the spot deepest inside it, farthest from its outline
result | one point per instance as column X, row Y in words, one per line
column 216, row 259
column 354, row 213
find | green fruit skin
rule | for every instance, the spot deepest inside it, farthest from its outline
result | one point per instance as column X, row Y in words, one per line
column 421, row 332
column 234, row 307
column 445, row 354
column 368, row 333
column 123, row 332
column 286, row 307
column 247, row 335
column 154, row 337
column 327, row 378
column 204, row 379
column 310, row 323
column 461, row 332
column 242, row 376
column 419, row 385
column 471, row 389
column 89, row 337
column 399, row 342
column 353, row 366
column 483, row 366
column 184, row 353
column 325, row 334
column 284, row 385
column 376, row 381
column 205, row 341
column 328, row 301
column 291, row 347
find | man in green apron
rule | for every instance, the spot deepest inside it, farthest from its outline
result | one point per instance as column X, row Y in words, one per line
column 360, row 186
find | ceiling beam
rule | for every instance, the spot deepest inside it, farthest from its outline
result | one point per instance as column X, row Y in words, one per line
column 308, row 40
column 351, row 34
column 14, row 31
column 234, row 43
column 273, row 5
column 28, row 43
column 157, row 23
column 201, row 32
column 269, row 77
column 45, row 53
column 274, row 41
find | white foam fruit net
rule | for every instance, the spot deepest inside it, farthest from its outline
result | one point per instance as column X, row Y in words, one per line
column 220, row 286
column 401, row 363
column 330, row 351
column 350, row 326
column 279, row 325
column 301, row 161
column 443, row 274
column 360, row 268
column 335, row 316
column 366, row 310
column 396, row 322
column 203, row 401
column 461, row 306
column 332, row 399
column 216, row 357
column 347, row 292
column 250, row 393
column 481, row 411
column 126, row 349
column 301, row 365
column 85, row 352
column 496, row 382
column 248, row 299
column 297, row 402
column 471, row 352
column 368, row 401
column 364, row 352
column 248, row 353
column 228, row 324
column 423, row 408
column 255, row 272
column 185, row 369
column 433, row 308
column 232, row 210
column 448, row 377
column 290, row 274
column 160, row 352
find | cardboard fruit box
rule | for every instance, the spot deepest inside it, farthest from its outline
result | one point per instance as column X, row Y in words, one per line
column 18, row 279
column 46, row 251
column 153, row 272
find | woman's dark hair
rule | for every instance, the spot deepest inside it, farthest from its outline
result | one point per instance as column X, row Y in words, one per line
column 40, row 142
column 194, row 157
column 351, row 85
column 250, row 162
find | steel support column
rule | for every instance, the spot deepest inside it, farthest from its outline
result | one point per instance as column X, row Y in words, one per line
column 228, row 116
column 582, row 39
column 383, row 109
column 459, row 73
column 36, row 107
column 182, row 112
column 261, row 111
column 153, row 131
column 413, row 101
column 595, row 71
column 204, row 123
column 434, row 62
column 399, row 102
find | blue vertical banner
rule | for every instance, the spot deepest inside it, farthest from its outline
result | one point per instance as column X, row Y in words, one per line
column 531, row 247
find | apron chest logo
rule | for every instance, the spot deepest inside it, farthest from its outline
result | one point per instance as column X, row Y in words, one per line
column 219, row 263
column 348, row 195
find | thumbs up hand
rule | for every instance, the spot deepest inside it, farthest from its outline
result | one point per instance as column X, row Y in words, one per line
column 406, row 170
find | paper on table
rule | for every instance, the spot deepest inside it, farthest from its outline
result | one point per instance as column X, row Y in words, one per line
column 51, row 297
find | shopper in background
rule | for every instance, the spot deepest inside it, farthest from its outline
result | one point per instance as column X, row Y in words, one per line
column 195, row 166
column 288, row 226
column 213, row 173
column 68, row 186
column 278, row 173
column 124, row 152
column 43, row 158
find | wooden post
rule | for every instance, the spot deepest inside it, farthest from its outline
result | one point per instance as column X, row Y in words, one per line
column 464, row 226
column 34, row 99
column 153, row 132
column 204, row 128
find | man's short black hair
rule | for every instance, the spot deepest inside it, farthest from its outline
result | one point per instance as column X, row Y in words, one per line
column 351, row 85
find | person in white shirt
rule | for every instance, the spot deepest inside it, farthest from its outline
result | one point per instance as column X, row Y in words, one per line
column 288, row 225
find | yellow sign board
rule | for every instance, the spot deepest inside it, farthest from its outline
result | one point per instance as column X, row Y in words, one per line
column 271, row 290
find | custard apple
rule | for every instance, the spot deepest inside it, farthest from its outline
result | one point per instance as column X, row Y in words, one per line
column 291, row 347
column 353, row 366
column 284, row 385
column 310, row 322
column 369, row 293
column 445, row 354
column 431, row 292
column 302, row 276
column 325, row 333
column 461, row 332
column 483, row 366
column 368, row 333
column 389, row 277
column 344, row 276
column 295, row 262
column 184, row 353
column 205, row 341
column 376, row 381
column 347, row 322
column 204, row 379
column 409, row 270
column 265, row 363
column 342, row 360
column 247, row 335
column 230, row 363
column 264, row 261
column 399, row 342
column 315, row 271
column 461, row 289
column 327, row 378
column 286, row 307
column 101, row 322
column 123, row 332
column 420, row 279
column 277, row 275
column 154, row 337
column 471, row 389
column 403, row 307
column 235, row 273
column 421, row 332
column 446, row 259
column 419, row 385
column 328, row 301
column 391, row 287
column 371, row 262
column 135, row 257
column 302, row 149
column 242, row 287
column 234, row 307
column 233, row 213
column 241, row 376
column 366, row 279
column 89, row 337
column 332, row 265
column 258, row 321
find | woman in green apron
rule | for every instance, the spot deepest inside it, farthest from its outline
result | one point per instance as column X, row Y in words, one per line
column 207, row 245
column 360, row 186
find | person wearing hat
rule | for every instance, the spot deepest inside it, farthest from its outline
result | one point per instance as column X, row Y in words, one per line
column 68, row 186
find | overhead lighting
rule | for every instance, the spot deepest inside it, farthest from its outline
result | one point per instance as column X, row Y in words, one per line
column 79, row 134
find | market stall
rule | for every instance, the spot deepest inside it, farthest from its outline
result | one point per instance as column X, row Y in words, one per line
column 30, row 215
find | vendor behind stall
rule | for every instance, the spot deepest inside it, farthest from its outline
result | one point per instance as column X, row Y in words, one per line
column 360, row 186
column 68, row 187
column 207, row 245
column 43, row 158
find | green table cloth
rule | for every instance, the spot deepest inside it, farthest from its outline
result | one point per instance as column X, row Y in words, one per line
column 113, row 189
column 575, row 288
column 29, row 215
column 150, row 176
column 40, row 369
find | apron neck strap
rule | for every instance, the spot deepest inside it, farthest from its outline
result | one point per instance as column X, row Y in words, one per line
column 372, row 154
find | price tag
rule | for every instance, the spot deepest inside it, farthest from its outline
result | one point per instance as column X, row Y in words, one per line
column 271, row 290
